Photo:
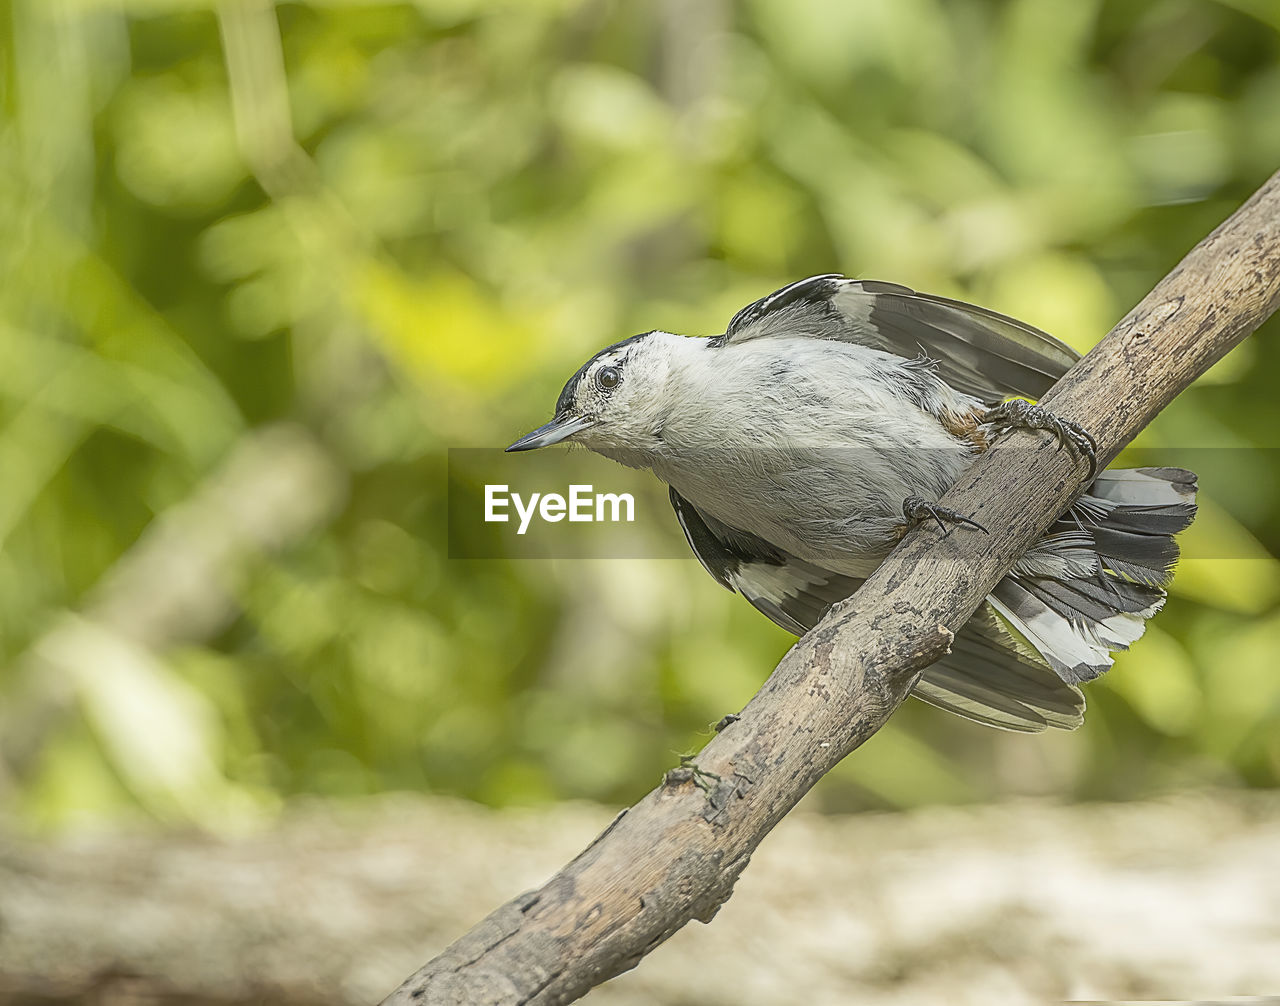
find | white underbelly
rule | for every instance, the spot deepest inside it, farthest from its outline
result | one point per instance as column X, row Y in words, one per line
column 840, row 509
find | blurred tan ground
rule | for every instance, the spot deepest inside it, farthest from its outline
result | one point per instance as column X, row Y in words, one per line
column 1016, row 903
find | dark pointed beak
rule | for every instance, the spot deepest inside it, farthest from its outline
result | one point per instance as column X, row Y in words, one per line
column 552, row 433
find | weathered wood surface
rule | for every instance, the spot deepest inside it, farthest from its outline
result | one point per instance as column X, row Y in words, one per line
column 676, row 855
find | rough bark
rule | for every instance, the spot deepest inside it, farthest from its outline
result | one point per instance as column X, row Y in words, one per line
column 676, row 854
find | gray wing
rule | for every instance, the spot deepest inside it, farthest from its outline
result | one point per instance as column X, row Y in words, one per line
column 994, row 678
column 978, row 352
column 990, row 676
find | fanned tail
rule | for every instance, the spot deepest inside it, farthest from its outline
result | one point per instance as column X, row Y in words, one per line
column 1083, row 591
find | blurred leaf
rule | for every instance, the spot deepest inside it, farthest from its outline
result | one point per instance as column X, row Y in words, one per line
column 172, row 766
column 1158, row 680
column 1224, row 565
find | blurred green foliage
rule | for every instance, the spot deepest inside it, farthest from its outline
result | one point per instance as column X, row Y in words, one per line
column 391, row 229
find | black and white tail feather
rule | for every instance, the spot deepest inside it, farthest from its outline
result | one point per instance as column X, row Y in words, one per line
column 1083, row 591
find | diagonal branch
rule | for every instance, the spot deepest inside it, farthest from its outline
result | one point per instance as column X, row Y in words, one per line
column 676, row 854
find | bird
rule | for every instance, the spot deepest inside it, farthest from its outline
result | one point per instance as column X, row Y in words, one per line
column 800, row 444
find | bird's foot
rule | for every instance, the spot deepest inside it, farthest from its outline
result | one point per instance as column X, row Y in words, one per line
column 916, row 509
column 1017, row 413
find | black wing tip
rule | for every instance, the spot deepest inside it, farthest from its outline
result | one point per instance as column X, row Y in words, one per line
column 715, row 559
column 817, row 290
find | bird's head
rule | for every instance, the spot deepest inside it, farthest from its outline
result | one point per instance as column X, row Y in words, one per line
column 615, row 402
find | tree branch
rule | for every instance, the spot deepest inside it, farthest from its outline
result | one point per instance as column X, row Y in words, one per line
column 677, row 853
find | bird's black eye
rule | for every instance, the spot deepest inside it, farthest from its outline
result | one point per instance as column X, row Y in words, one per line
column 607, row 378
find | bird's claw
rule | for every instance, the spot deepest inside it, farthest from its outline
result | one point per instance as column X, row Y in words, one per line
column 917, row 509
column 1017, row 413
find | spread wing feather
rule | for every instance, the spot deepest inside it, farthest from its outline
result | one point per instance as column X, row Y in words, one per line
column 978, row 352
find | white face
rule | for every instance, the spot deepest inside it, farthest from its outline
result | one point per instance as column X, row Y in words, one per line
column 615, row 401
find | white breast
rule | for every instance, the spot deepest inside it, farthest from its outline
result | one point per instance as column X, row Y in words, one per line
column 812, row 445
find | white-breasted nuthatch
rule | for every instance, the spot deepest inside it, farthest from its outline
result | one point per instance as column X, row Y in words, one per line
column 800, row 444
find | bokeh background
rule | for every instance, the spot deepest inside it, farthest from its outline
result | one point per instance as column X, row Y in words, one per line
column 265, row 264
